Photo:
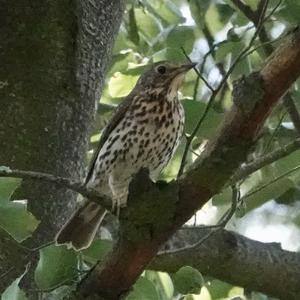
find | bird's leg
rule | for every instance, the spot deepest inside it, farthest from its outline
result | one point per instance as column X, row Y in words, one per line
column 120, row 201
column 120, row 194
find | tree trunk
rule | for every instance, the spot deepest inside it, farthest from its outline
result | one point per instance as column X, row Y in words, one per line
column 53, row 55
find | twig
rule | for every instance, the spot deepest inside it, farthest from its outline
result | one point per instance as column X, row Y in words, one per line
column 75, row 186
column 270, row 182
column 265, row 160
column 195, row 93
column 273, row 135
column 198, row 73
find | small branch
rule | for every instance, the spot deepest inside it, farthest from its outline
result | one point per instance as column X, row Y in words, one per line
column 198, row 73
column 265, row 160
column 285, row 174
column 273, row 135
column 75, row 186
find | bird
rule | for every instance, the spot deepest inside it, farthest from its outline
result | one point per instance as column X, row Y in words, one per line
column 143, row 133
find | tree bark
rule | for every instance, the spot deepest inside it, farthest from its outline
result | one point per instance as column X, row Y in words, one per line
column 53, row 55
column 228, row 256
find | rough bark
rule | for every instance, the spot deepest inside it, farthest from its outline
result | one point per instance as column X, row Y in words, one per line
column 140, row 238
column 228, row 256
column 53, row 59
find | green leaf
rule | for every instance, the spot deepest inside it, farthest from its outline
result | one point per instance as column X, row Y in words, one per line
column 14, row 217
column 222, row 290
column 120, row 62
column 188, row 280
column 167, row 11
column 198, row 10
column 276, row 189
column 143, row 289
column 57, row 265
column 213, row 20
column 163, row 284
column 133, row 29
column 181, row 36
column 291, row 11
column 120, row 85
column 123, row 42
column 13, row 292
column 97, row 251
column 224, row 49
column 171, row 54
column 147, row 24
column 193, row 112
column 288, row 163
column 270, row 192
column 242, row 68
column 225, row 12
column 224, row 198
column 60, row 293
column 8, row 186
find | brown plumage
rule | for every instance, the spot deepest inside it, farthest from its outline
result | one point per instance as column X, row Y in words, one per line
column 144, row 132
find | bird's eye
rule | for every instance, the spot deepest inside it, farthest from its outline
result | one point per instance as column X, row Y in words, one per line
column 161, row 69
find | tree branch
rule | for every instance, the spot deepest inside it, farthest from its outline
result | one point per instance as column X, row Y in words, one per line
column 228, row 256
column 76, row 186
column 142, row 234
column 268, row 49
column 265, row 160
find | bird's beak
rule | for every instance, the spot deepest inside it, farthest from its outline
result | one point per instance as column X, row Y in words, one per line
column 186, row 67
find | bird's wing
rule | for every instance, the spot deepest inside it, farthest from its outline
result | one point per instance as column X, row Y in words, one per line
column 115, row 120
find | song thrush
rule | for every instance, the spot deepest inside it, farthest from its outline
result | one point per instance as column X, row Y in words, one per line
column 143, row 133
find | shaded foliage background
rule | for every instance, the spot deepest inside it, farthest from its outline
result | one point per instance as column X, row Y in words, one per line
column 212, row 33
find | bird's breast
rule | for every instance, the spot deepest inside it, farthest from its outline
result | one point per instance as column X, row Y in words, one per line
column 146, row 137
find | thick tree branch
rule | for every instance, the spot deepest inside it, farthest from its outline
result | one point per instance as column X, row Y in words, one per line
column 228, row 256
column 268, row 49
column 141, row 237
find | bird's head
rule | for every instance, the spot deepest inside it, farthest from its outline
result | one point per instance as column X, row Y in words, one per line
column 164, row 78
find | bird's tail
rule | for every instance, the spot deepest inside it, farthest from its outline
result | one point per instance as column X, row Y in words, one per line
column 80, row 230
